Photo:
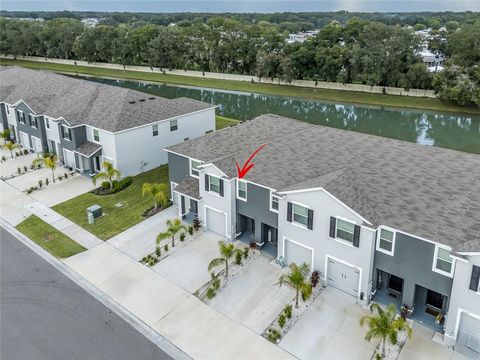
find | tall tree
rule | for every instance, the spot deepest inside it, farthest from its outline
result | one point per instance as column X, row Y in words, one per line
column 297, row 279
column 158, row 192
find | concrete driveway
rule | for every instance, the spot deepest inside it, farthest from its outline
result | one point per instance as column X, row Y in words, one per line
column 253, row 297
column 330, row 329
column 188, row 266
column 10, row 166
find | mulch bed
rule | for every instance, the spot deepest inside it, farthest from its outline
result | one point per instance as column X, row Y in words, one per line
column 151, row 211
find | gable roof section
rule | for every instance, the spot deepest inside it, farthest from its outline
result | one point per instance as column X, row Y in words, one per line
column 79, row 102
column 430, row 192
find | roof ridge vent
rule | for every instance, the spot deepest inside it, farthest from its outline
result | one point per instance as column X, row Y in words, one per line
column 151, row 98
column 131, row 102
column 141, row 100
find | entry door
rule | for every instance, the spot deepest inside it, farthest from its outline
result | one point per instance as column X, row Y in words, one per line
column 96, row 163
column 193, row 206
column 343, row 277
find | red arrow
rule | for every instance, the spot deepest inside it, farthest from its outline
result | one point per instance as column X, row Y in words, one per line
column 246, row 167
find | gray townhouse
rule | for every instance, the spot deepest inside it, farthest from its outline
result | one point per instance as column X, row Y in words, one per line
column 86, row 123
column 382, row 220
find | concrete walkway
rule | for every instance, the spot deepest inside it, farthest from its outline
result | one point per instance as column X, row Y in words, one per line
column 72, row 230
column 194, row 327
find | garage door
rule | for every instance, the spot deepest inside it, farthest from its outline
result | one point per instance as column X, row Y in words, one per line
column 215, row 221
column 24, row 140
column 37, row 145
column 343, row 277
column 469, row 332
column 298, row 254
column 69, row 158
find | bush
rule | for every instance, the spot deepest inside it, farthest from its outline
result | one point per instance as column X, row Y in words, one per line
column 314, row 278
column 182, row 236
column 306, row 292
column 4, row 158
column 19, row 171
column 211, row 293
column 158, row 251
column 40, row 183
column 245, row 252
column 238, row 257
column 60, row 177
column 281, row 320
column 287, row 310
column 165, row 247
column 65, row 175
column 25, row 169
column 253, row 244
column 273, row 335
column 32, row 167
column 105, row 185
column 190, row 230
column 216, row 283
column 122, row 184
column 196, row 224
column 46, row 181
column 25, row 152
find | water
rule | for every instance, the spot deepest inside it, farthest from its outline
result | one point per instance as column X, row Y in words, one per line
column 452, row 131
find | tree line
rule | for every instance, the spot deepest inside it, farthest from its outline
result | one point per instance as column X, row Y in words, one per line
column 359, row 51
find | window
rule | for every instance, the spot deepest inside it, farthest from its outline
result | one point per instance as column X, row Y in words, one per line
column 32, row 120
column 173, row 125
column 47, row 123
column 443, row 260
column 21, row 116
column 274, row 203
column 345, row 230
column 66, row 133
column 386, row 241
column 300, row 214
column 96, row 135
column 214, row 183
column 241, row 190
column 155, row 130
column 194, row 170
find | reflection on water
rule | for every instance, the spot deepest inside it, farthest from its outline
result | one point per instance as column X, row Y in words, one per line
column 459, row 132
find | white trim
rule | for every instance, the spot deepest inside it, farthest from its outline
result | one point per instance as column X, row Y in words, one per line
column 190, row 167
column 172, row 189
column 377, row 244
column 93, row 135
column 24, row 103
column 301, row 245
column 238, row 188
column 219, row 185
column 460, row 311
column 340, row 240
column 434, row 263
column 219, row 211
column 327, row 256
column 270, row 202
column 204, row 165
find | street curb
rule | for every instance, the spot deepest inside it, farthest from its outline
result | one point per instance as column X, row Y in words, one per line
column 163, row 343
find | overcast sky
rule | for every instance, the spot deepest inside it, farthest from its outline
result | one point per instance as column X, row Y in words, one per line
column 241, row 5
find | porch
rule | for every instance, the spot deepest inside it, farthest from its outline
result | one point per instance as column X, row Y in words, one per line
column 267, row 243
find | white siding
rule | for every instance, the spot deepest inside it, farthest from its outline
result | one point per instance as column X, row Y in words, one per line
column 109, row 151
column 53, row 132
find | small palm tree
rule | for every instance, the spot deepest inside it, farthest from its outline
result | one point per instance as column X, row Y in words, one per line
column 227, row 251
column 5, row 134
column 174, row 226
column 386, row 324
column 158, row 192
column 109, row 173
column 10, row 146
column 297, row 279
column 49, row 161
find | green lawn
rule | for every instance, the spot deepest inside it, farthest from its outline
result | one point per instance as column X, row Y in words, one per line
column 49, row 238
column 284, row 90
column 116, row 219
column 223, row 122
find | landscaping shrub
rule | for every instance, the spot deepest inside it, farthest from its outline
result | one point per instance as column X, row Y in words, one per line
column 245, row 252
column 65, row 175
column 281, row 320
column 306, row 292
column 238, row 258
column 216, row 283
column 40, row 183
column 122, row 184
column 196, row 224
column 158, row 251
column 105, row 185
column 165, row 247
column 19, row 171
column 253, row 245
column 190, row 230
column 210, row 293
column 287, row 310
column 60, row 177
column 25, row 169
column 182, row 236
column 46, row 181
column 25, row 152
column 32, row 167
column 273, row 335
column 4, row 158
column 314, row 278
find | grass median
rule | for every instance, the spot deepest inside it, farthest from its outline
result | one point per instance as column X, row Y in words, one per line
column 223, row 122
column 55, row 242
column 272, row 89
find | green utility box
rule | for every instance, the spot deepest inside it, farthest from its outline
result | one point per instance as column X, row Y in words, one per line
column 95, row 210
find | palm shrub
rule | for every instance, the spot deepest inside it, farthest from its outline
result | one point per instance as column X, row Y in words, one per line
column 10, row 146
column 109, row 173
column 158, row 192
column 227, row 251
column 173, row 227
column 297, row 279
column 49, row 161
column 5, row 134
column 384, row 325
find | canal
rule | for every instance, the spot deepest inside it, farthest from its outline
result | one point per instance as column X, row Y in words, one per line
column 452, row 131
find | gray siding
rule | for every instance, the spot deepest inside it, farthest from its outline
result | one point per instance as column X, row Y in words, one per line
column 38, row 132
column 257, row 207
column 412, row 261
column 3, row 116
column 79, row 136
column 178, row 167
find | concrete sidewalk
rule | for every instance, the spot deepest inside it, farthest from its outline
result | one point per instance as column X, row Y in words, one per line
column 72, row 230
column 194, row 327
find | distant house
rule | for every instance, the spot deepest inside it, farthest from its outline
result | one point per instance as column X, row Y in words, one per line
column 86, row 123
column 301, row 36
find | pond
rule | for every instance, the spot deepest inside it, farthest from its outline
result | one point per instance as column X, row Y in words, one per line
column 452, row 131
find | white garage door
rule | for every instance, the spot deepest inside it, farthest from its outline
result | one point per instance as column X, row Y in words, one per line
column 215, row 221
column 37, row 145
column 343, row 277
column 24, row 140
column 298, row 254
column 69, row 158
column 469, row 332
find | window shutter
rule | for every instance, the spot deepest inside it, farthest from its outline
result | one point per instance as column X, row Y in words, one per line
column 356, row 236
column 333, row 223
column 310, row 219
column 183, row 204
column 474, row 279
column 289, row 212
column 207, row 183
column 221, row 187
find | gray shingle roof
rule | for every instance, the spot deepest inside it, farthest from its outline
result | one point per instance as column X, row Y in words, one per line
column 426, row 191
column 189, row 187
column 79, row 101
column 88, row 148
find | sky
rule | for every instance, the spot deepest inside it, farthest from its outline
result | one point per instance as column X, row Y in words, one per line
column 263, row 6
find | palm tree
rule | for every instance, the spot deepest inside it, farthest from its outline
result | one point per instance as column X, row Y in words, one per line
column 386, row 324
column 158, row 192
column 297, row 279
column 174, row 226
column 109, row 173
column 5, row 134
column 10, row 146
column 49, row 161
column 227, row 251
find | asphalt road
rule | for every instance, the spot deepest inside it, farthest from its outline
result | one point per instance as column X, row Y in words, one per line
column 44, row 315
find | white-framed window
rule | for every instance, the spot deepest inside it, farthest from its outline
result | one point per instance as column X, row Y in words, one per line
column 386, row 241
column 33, row 121
column 173, row 125
column 299, row 214
column 155, row 130
column 214, row 184
column 242, row 190
column 66, row 133
column 344, row 230
column 96, row 135
column 442, row 261
column 274, row 202
column 47, row 123
column 194, row 170
column 21, row 116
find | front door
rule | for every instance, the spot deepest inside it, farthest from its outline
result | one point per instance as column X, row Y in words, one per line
column 96, row 163
column 193, row 206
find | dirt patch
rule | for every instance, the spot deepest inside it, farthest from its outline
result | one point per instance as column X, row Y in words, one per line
column 49, row 237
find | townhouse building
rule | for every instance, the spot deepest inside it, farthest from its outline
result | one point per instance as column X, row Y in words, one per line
column 382, row 220
column 86, row 123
